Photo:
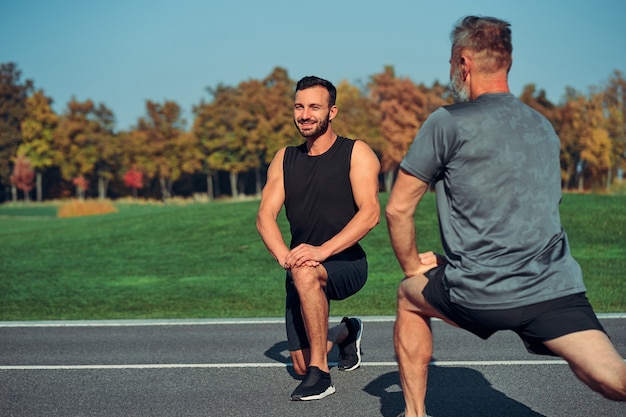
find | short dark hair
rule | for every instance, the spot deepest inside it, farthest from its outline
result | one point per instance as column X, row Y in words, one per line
column 312, row 81
column 488, row 37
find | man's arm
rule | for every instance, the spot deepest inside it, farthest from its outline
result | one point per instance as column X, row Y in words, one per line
column 364, row 170
column 403, row 200
column 272, row 201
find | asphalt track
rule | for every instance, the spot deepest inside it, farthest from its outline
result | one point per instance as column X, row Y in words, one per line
column 241, row 368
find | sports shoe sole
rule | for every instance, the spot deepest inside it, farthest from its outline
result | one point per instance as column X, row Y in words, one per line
column 330, row 390
column 358, row 348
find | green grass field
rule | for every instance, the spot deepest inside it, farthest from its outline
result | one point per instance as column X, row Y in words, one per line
column 207, row 260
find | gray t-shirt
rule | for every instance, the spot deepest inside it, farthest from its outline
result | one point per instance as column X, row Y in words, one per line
column 495, row 165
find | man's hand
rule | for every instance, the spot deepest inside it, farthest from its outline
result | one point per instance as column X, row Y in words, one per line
column 428, row 260
column 303, row 255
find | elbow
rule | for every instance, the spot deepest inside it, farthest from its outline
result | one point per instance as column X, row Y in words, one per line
column 391, row 213
column 259, row 224
column 374, row 218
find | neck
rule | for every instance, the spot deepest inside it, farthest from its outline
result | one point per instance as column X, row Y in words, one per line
column 489, row 84
column 320, row 144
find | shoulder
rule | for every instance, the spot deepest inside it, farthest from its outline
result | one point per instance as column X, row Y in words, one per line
column 363, row 154
column 290, row 150
column 279, row 157
column 361, row 147
column 442, row 121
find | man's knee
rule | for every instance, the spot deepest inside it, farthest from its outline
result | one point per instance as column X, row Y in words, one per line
column 408, row 294
column 611, row 386
column 612, row 382
column 306, row 277
column 593, row 358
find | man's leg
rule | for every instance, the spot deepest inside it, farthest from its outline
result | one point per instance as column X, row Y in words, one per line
column 594, row 360
column 413, row 342
column 302, row 357
column 310, row 284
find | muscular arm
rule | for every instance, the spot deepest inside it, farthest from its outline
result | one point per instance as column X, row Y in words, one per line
column 364, row 170
column 403, row 200
column 272, row 200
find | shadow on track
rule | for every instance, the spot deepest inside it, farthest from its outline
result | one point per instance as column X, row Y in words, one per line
column 452, row 391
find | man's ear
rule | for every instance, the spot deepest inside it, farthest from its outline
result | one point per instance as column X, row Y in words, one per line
column 465, row 64
column 333, row 112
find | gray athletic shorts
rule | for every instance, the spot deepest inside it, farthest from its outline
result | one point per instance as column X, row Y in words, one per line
column 346, row 276
column 534, row 323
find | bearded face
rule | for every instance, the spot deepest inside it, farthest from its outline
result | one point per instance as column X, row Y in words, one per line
column 311, row 126
column 311, row 112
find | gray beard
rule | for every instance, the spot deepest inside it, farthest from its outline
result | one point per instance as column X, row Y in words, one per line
column 460, row 91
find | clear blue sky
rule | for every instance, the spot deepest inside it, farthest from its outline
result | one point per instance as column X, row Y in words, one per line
column 123, row 52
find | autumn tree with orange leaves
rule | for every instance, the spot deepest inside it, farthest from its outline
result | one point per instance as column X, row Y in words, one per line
column 38, row 129
column 23, row 176
column 357, row 117
column 236, row 133
column 243, row 126
column 403, row 107
column 164, row 149
column 82, row 140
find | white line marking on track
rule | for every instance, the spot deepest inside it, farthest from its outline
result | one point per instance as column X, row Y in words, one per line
column 265, row 365
column 202, row 322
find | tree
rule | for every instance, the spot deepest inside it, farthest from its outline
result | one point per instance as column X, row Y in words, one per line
column 168, row 150
column 107, row 145
column 38, row 129
column 569, row 121
column 278, row 129
column 13, row 95
column 243, row 126
column 585, row 144
column 133, row 179
column 358, row 117
column 23, row 176
column 615, row 106
column 596, row 143
column 81, row 138
column 220, row 127
column 403, row 107
column 82, row 184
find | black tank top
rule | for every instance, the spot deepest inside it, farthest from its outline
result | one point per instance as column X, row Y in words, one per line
column 318, row 193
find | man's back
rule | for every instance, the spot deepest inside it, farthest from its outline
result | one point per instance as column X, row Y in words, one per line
column 495, row 162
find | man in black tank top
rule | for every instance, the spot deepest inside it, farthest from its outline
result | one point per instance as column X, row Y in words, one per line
column 329, row 188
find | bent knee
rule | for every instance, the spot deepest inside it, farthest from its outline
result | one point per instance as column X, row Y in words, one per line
column 613, row 386
column 305, row 276
column 409, row 293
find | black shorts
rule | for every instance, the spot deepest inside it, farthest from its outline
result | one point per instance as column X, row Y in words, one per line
column 534, row 323
column 345, row 278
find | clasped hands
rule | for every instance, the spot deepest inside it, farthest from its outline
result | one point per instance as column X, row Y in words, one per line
column 303, row 255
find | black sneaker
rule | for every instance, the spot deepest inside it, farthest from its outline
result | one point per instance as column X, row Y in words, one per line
column 350, row 348
column 315, row 386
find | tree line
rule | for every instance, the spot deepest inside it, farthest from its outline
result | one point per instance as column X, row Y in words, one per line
column 234, row 135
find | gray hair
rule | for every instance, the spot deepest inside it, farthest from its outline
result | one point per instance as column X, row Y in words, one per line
column 488, row 38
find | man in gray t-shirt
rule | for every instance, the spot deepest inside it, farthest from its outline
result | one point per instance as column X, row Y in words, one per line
column 495, row 166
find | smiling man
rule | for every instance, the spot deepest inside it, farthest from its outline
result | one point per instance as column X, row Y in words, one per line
column 329, row 187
